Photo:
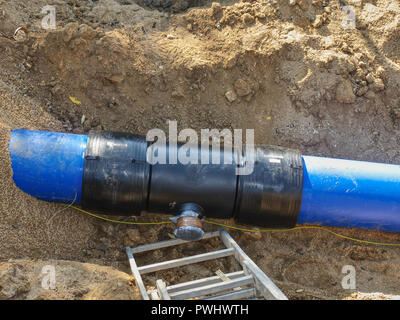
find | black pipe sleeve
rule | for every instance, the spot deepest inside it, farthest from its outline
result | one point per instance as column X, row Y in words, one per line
column 115, row 173
column 271, row 195
column 212, row 187
column 118, row 180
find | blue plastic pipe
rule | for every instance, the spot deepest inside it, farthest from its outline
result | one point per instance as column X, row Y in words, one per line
column 340, row 193
column 351, row 194
column 48, row 165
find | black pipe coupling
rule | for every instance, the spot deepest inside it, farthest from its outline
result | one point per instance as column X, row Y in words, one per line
column 119, row 179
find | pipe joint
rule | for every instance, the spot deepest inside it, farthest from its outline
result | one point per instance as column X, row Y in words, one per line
column 189, row 225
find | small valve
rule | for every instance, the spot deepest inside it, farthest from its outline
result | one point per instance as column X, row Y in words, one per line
column 189, row 225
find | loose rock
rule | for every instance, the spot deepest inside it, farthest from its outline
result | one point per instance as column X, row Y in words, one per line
column 230, row 96
column 242, row 88
column 132, row 237
column 344, row 92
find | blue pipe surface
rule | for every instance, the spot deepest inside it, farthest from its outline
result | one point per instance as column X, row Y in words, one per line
column 48, row 165
column 351, row 194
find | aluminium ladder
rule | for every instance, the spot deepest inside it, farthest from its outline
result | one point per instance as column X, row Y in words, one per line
column 221, row 287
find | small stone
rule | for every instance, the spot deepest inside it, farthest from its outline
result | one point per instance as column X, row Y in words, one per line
column 260, row 15
column 83, row 119
column 216, row 8
column 303, row 5
column 344, row 92
column 247, row 18
column 86, row 32
column 70, row 31
column 116, row 79
column 370, row 78
column 256, row 235
column 360, row 92
column 377, row 86
column 380, row 70
column 317, row 3
column 230, row 96
column 292, row 3
column 170, row 36
column 318, row 21
column 242, row 88
column 112, row 103
column 370, row 95
column 107, row 229
column 132, row 237
column 178, row 93
column 361, row 25
column 55, row 90
column 116, row 254
column 362, row 64
column 396, row 112
column 346, row 49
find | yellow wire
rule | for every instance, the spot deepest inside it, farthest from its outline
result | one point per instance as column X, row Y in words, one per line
column 304, row 227
column 118, row 221
column 243, row 229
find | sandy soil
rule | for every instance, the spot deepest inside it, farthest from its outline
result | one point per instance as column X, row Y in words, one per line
column 285, row 68
column 27, row 279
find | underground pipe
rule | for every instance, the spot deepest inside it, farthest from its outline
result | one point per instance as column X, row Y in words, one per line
column 112, row 173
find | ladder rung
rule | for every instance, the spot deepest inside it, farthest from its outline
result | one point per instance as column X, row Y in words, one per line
column 235, row 295
column 185, row 261
column 203, row 282
column 169, row 243
column 212, row 288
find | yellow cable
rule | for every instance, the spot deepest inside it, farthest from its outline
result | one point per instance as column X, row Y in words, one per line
column 243, row 229
column 118, row 221
column 305, row 227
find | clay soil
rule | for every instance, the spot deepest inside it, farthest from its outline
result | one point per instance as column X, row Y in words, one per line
column 288, row 69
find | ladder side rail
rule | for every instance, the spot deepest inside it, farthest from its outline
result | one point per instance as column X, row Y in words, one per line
column 263, row 283
column 136, row 274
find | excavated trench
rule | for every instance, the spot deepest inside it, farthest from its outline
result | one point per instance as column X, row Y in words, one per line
column 263, row 65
